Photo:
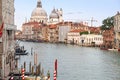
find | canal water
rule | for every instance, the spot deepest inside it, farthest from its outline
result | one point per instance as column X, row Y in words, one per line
column 74, row 62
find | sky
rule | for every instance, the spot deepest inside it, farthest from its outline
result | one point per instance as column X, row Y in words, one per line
column 75, row 10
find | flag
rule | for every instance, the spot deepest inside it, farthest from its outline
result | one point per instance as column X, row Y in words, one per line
column 1, row 29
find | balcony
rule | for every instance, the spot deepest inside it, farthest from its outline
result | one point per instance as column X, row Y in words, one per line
column 10, row 27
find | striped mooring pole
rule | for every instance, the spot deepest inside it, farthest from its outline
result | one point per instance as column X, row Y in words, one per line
column 55, row 75
column 23, row 73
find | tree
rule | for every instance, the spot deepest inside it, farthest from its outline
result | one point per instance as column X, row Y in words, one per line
column 107, row 23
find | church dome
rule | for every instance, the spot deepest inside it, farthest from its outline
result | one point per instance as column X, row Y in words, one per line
column 54, row 14
column 39, row 12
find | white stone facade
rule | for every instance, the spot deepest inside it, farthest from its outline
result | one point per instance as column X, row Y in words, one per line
column 88, row 39
column 73, row 37
column 63, row 30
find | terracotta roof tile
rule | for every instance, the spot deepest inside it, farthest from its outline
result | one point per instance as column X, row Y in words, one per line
column 31, row 23
column 52, row 26
column 76, row 30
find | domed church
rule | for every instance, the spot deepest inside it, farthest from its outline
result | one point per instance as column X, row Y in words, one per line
column 56, row 16
column 34, row 28
column 40, row 15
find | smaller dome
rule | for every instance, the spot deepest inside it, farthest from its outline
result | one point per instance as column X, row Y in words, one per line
column 54, row 14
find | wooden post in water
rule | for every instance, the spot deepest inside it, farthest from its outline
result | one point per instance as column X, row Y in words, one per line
column 31, row 51
column 56, row 65
column 32, row 70
column 30, row 67
column 39, row 69
column 25, row 65
column 36, row 70
column 42, row 73
column 48, row 75
column 35, row 59
column 21, row 67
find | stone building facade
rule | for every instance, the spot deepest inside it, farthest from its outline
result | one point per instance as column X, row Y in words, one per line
column 108, row 38
column 53, row 33
column 7, row 42
column 117, row 29
column 1, row 44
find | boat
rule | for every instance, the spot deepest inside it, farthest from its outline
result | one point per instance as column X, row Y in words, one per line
column 119, row 49
column 22, row 53
column 102, row 48
column 113, row 49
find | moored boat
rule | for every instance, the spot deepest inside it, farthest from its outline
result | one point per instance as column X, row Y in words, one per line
column 102, row 48
column 113, row 49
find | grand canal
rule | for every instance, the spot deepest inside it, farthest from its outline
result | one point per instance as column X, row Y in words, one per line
column 74, row 62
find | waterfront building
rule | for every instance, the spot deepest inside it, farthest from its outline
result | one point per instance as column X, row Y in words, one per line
column 95, row 30
column 73, row 36
column 108, row 38
column 63, row 30
column 29, row 30
column 34, row 31
column 91, row 39
column 53, row 33
column 7, row 42
column 44, row 32
column 18, row 34
column 117, row 29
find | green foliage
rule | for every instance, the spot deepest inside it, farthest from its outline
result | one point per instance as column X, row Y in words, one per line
column 86, row 32
column 107, row 23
